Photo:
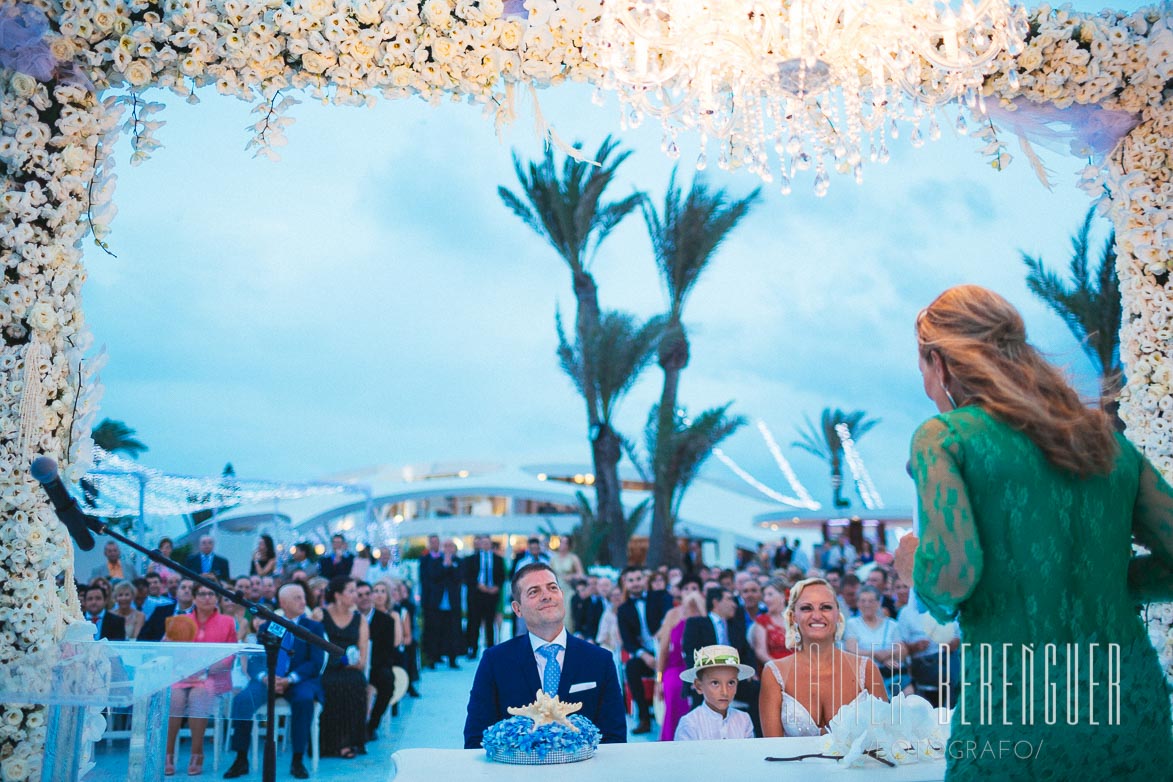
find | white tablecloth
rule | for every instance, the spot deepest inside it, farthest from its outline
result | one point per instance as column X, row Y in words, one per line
column 670, row 761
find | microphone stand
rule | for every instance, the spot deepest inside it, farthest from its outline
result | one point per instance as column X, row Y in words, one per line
column 270, row 638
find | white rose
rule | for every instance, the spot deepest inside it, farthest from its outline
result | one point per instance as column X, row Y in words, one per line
column 138, row 73
column 23, row 84
column 42, row 317
column 314, row 62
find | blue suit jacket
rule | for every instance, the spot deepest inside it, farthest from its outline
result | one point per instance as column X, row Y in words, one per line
column 306, row 660
column 508, row 676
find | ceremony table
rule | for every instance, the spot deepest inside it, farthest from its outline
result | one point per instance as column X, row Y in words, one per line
column 668, row 761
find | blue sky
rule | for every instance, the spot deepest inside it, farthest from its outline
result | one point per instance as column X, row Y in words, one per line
column 369, row 299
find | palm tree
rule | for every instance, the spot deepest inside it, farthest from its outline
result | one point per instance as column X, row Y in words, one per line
column 1090, row 306
column 606, row 364
column 686, row 445
column 115, row 436
column 685, row 237
column 823, row 441
column 566, row 208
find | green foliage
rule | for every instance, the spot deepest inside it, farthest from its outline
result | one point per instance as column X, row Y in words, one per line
column 116, row 437
column 1089, row 303
column 823, row 441
column 566, row 208
column 687, row 445
column 687, row 232
column 611, row 358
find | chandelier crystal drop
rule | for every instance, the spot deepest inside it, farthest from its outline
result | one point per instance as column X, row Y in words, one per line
column 792, row 85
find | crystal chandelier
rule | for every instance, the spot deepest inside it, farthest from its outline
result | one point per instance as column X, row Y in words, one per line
column 818, row 83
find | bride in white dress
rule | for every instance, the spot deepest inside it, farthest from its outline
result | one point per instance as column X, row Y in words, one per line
column 803, row 692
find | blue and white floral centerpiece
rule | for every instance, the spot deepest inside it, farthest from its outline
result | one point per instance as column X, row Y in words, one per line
column 543, row 733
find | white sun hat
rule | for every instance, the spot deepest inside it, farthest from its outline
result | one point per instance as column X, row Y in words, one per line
column 716, row 656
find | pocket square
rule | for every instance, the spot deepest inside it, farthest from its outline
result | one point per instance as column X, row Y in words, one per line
column 581, row 686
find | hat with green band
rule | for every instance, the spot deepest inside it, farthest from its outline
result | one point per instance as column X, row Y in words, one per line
column 716, row 656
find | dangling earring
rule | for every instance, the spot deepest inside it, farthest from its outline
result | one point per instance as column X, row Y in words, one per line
column 952, row 401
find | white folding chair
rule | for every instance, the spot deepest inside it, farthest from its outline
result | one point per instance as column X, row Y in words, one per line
column 282, row 714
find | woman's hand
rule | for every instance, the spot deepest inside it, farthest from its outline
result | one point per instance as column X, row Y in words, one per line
column 905, row 557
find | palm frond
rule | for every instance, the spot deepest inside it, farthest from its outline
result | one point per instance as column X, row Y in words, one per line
column 686, row 234
column 620, row 348
column 115, row 436
column 1089, row 307
column 565, row 203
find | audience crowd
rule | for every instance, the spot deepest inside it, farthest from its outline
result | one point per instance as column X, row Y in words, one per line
column 652, row 621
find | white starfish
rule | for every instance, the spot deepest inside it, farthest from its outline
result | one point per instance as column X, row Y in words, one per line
column 546, row 710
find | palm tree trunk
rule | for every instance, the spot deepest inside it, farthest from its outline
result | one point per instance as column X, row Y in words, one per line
column 606, row 450
column 837, row 482
column 586, row 319
column 673, row 358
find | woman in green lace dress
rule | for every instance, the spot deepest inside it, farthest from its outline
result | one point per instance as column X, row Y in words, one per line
column 1029, row 503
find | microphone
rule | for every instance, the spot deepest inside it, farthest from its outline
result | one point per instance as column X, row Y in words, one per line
column 44, row 471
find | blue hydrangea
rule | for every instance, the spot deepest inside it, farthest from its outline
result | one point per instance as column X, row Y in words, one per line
column 517, row 735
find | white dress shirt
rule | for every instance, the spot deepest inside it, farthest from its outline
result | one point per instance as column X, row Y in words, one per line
column 704, row 724
column 540, row 659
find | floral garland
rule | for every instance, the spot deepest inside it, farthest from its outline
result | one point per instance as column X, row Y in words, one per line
column 73, row 74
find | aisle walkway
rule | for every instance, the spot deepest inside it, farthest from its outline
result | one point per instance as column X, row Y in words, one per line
column 434, row 720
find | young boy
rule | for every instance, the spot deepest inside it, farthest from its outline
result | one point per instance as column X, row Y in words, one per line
column 715, row 673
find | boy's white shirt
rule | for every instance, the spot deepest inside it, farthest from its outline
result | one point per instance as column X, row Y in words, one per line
column 704, row 724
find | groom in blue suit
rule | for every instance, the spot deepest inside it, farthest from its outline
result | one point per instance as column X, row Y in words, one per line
column 546, row 658
column 299, row 672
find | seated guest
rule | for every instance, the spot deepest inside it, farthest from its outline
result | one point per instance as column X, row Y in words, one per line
column 156, row 594
column 109, row 624
column 670, row 657
column 546, row 659
column 586, row 609
column 608, row 636
column 196, row 696
column 299, row 666
column 724, row 625
column 715, row 675
column 132, row 618
column 113, row 569
column 767, row 636
column 344, row 716
column 155, row 626
column 804, row 691
column 639, row 620
column 935, row 662
column 206, row 560
column 872, row 634
column 404, row 606
column 384, row 653
column 164, row 572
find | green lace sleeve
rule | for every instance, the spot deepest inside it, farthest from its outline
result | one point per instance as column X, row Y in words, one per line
column 1150, row 577
column 949, row 559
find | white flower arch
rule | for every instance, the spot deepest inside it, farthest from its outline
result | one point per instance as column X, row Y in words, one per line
column 72, row 76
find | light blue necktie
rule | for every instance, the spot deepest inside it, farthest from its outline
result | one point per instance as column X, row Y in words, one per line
column 553, row 674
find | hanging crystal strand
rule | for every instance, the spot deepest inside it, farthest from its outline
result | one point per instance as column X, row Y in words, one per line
column 822, row 181
column 702, row 161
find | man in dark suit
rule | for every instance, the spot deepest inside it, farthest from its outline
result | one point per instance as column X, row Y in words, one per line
column 339, row 562
column 446, row 606
column 299, row 671
column 430, row 642
column 639, row 617
column 207, row 561
column 586, row 608
column 484, row 573
column 545, row 659
column 384, row 656
column 724, row 624
column 156, row 625
column 109, row 624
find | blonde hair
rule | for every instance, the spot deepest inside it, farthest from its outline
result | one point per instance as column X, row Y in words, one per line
column 981, row 340
column 694, row 601
column 793, row 636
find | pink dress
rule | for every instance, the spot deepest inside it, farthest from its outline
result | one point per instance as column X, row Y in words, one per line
column 219, row 629
column 676, row 702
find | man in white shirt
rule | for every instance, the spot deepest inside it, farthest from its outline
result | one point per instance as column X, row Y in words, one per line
column 935, row 664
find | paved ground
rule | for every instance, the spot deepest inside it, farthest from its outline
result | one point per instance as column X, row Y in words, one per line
column 434, row 720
